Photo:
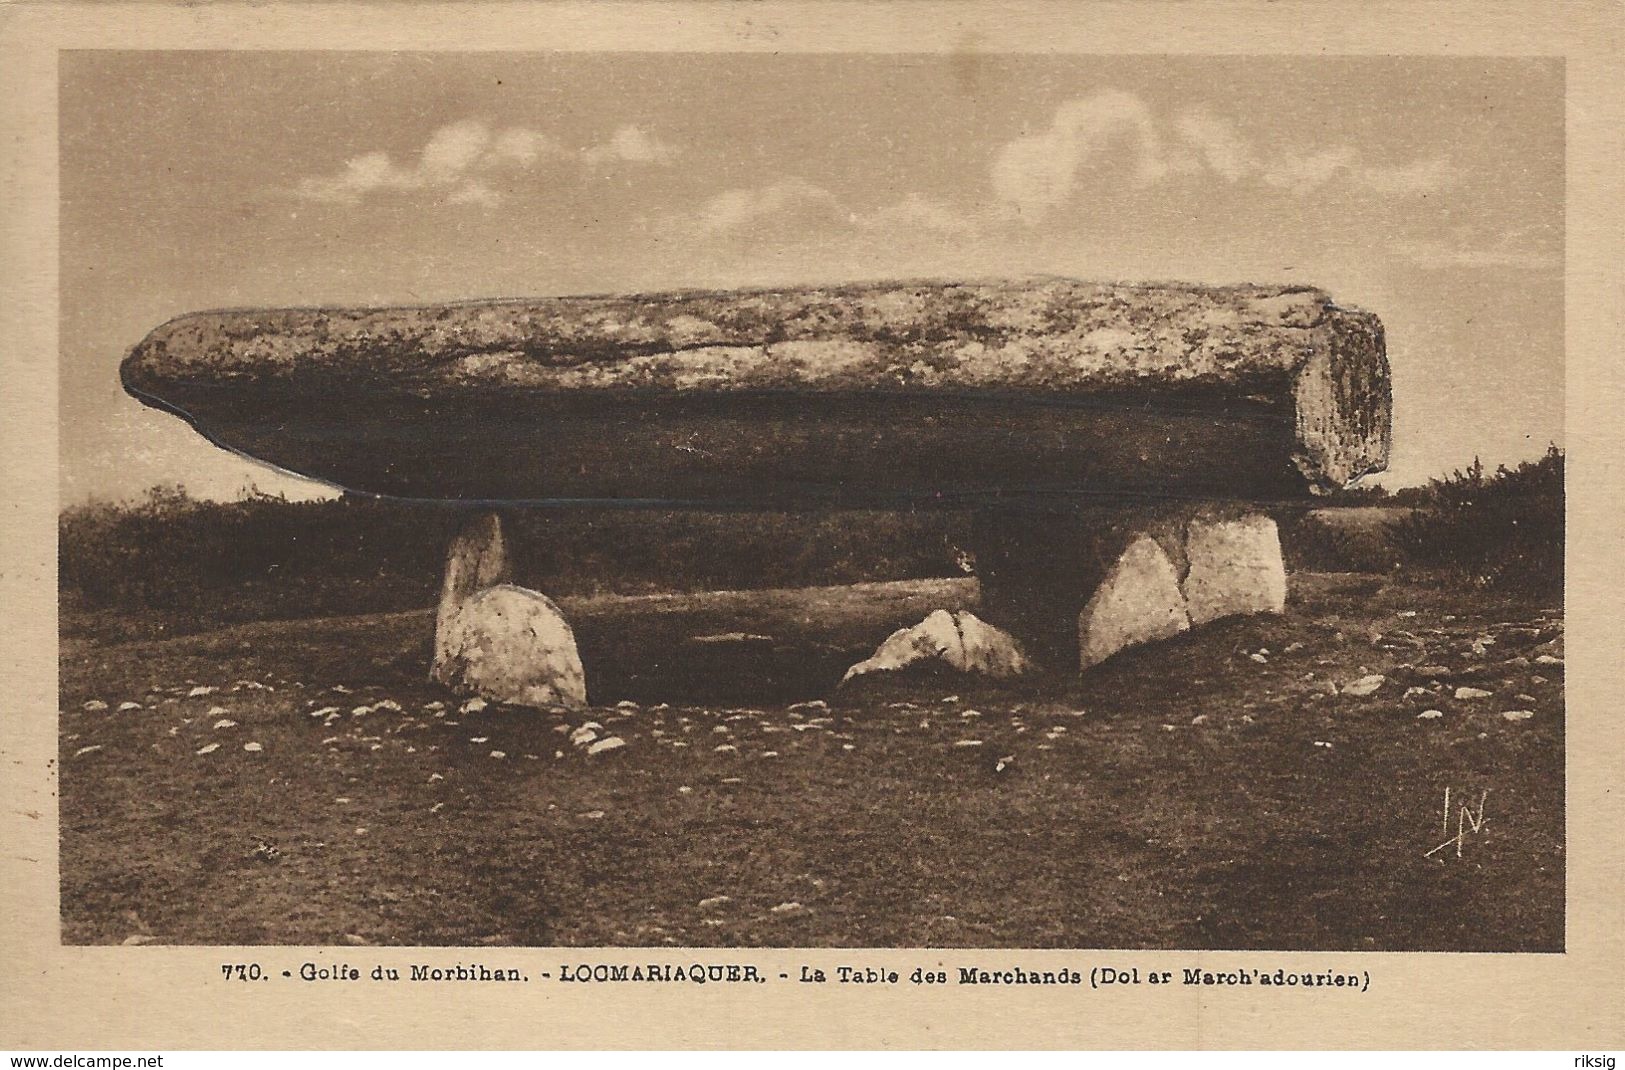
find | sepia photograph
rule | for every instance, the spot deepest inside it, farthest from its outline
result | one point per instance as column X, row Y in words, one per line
column 717, row 499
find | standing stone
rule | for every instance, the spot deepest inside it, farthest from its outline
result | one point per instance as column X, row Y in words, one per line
column 497, row 640
column 1235, row 568
column 511, row 645
column 1138, row 602
column 476, row 559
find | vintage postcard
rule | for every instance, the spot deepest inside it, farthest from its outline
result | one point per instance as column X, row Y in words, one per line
column 905, row 525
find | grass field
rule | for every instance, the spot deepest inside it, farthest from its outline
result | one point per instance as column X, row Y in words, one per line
column 1220, row 791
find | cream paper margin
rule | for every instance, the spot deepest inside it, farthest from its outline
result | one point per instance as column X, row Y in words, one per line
column 66, row 998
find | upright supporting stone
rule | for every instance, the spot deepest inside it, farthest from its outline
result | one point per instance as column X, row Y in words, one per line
column 498, row 640
column 476, row 559
column 1138, row 602
column 1235, row 568
column 1084, row 584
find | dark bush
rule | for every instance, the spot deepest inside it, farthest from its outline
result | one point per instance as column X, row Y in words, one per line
column 1502, row 532
column 180, row 564
column 1357, row 539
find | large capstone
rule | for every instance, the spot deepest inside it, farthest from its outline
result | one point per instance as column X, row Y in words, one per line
column 939, row 392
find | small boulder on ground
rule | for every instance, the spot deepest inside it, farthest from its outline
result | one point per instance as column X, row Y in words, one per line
column 960, row 641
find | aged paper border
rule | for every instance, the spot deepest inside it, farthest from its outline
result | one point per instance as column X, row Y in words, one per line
column 65, row 998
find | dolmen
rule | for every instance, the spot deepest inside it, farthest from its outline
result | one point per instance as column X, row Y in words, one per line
column 1121, row 446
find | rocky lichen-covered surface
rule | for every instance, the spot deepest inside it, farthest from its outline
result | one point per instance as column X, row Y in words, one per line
column 1289, row 348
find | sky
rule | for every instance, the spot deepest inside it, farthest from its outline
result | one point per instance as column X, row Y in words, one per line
column 1428, row 190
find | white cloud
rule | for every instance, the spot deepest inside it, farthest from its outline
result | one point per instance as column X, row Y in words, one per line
column 630, row 144
column 917, row 213
column 1303, row 173
column 459, row 162
column 1116, row 133
column 1037, row 172
column 793, row 200
column 795, row 206
column 1219, row 144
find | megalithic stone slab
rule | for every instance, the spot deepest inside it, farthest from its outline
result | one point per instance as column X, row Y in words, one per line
column 477, row 559
column 934, row 392
column 497, row 640
column 1234, row 568
column 513, row 645
column 1139, row 601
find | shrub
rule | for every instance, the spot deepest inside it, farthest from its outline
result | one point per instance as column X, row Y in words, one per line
column 184, row 564
column 1502, row 532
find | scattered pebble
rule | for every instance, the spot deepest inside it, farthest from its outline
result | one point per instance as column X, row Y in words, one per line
column 124, row 707
column 1365, row 685
column 252, row 748
column 714, row 901
column 591, row 815
column 473, row 705
column 608, row 743
column 92, row 749
column 968, row 743
column 726, row 748
column 199, row 692
column 499, row 754
column 95, row 704
column 1472, row 692
column 1518, row 715
column 208, row 748
column 225, row 722
column 788, row 908
column 1430, row 715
